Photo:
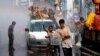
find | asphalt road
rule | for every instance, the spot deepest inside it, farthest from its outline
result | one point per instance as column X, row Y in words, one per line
column 10, row 12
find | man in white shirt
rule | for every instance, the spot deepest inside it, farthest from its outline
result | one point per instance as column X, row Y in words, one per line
column 65, row 34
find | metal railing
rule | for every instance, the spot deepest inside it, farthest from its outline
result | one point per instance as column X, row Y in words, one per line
column 90, row 52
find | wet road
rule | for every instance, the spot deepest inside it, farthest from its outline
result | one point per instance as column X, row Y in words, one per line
column 10, row 12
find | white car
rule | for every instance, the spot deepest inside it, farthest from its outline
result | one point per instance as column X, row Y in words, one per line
column 36, row 35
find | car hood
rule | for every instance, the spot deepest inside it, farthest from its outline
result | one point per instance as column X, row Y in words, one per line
column 38, row 35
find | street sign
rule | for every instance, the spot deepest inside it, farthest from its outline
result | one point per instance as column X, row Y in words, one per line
column 22, row 2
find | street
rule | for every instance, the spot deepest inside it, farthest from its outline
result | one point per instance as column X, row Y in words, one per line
column 10, row 12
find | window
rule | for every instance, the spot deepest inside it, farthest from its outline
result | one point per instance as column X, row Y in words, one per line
column 38, row 26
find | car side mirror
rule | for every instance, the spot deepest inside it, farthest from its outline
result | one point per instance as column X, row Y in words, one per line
column 26, row 29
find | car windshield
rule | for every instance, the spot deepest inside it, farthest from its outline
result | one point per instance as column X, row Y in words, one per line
column 38, row 26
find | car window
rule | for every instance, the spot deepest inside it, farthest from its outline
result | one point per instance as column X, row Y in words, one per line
column 38, row 26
